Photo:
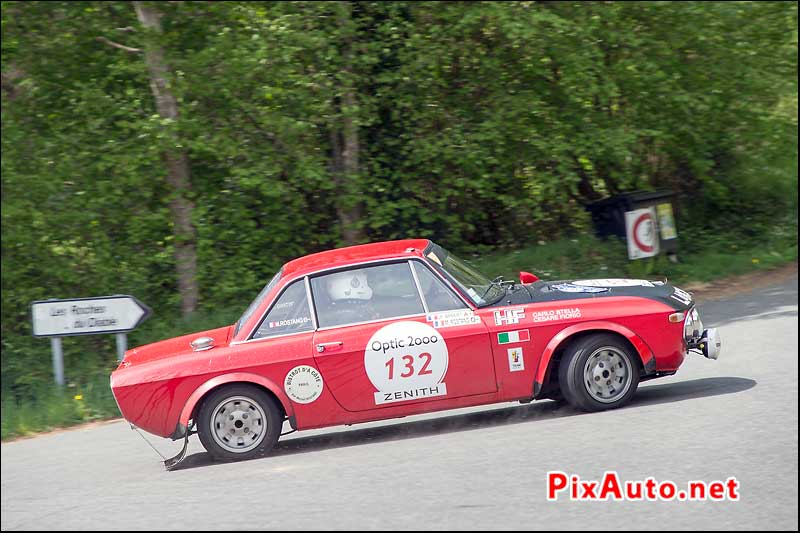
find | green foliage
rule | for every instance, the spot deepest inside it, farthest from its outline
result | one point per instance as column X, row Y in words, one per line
column 45, row 408
column 704, row 255
column 482, row 125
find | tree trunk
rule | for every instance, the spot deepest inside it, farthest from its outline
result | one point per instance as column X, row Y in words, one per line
column 9, row 82
column 176, row 161
column 344, row 140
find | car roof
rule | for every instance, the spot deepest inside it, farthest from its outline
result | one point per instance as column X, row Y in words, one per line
column 354, row 254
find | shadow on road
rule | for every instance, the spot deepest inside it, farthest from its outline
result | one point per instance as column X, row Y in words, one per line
column 547, row 410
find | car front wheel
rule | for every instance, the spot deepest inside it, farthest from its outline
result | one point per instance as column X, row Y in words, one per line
column 239, row 422
column 599, row 372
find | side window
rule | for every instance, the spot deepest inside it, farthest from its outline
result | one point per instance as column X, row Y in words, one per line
column 364, row 294
column 289, row 314
column 438, row 296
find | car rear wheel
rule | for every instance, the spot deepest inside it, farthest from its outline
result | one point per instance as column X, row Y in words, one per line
column 239, row 422
column 599, row 372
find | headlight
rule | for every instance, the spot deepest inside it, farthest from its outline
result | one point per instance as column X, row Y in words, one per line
column 693, row 327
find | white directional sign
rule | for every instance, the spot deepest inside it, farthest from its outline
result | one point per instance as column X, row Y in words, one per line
column 642, row 233
column 87, row 316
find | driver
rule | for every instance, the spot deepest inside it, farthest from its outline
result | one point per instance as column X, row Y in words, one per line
column 351, row 296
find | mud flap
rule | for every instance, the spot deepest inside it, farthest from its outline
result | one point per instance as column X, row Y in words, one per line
column 172, row 462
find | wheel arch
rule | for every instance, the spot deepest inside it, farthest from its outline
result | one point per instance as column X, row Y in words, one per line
column 555, row 347
column 196, row 399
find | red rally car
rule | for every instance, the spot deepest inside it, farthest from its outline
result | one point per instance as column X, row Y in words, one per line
column 399, row 328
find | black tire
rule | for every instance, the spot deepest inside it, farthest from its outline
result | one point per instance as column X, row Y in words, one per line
column 612, row 359
column 244, row 414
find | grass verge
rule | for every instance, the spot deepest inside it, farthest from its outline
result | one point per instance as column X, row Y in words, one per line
column 47, row 408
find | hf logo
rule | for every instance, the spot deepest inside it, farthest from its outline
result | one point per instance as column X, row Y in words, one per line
column 509, row 316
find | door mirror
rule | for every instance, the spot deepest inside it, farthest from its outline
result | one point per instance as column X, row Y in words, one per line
column 527, row 277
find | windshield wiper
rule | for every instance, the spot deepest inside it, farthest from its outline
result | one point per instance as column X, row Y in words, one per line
column 500, row 282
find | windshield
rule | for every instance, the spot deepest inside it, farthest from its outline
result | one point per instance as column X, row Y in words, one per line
column 480, row 289
column 255, row 303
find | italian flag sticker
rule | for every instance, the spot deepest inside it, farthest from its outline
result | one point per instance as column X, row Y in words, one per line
column 507, row 337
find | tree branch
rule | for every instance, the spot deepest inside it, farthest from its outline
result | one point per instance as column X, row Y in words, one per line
column 120, row 46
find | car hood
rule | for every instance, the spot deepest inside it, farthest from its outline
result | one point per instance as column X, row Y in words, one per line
column 175, row 346
column 549, row 291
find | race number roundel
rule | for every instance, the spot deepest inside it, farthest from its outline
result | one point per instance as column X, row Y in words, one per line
column 406, row 361
column 303, row 384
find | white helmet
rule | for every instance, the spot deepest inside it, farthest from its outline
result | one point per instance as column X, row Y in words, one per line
column 349, row 286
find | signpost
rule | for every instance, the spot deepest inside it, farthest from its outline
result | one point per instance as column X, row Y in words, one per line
column 86, row 316
column 642, row 233
column 644, row 218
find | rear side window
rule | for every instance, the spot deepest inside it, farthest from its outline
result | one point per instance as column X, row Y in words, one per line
column 289, row 314
column 365, row 294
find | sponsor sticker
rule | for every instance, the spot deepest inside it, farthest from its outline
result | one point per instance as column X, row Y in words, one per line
column 509, row 316
column 509, row 337
column 289, row 322
column 303, row 384
column 682, row 296
column 613, row 282
column 446, row 319
column 570, row 287
column 552, row 315
column 406, row 361
column 515, row 360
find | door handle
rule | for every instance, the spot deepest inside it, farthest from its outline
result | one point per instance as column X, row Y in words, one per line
column 321, row 347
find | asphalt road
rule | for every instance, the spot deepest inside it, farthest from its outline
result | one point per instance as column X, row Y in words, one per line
column 469, row 469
